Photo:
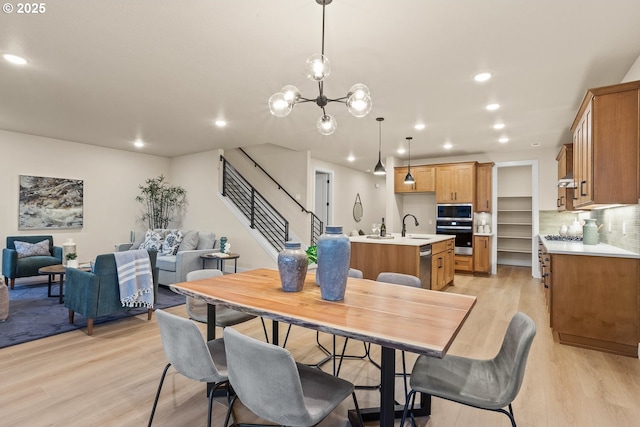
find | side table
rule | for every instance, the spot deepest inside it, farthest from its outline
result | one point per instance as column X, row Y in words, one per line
column 51, row 271
column 220, row 259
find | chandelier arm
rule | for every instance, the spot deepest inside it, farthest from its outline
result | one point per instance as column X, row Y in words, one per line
column 342, row 99
column 303, row 100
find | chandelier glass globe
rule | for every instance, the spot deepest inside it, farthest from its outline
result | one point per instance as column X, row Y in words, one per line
column 326, row 124
column 317, row 67
column 279, row 106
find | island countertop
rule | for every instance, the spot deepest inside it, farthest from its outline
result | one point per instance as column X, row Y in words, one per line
column 410, row 240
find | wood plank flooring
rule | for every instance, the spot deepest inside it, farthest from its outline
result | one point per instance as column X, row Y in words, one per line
column 110, row 378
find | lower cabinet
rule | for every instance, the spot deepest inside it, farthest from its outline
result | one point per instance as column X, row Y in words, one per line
column 482, row 254
column 464, row 263
column 442, row 265
column 593, row 301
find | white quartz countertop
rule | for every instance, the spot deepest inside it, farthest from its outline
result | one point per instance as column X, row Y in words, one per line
column 578, row 248
column 409, row 240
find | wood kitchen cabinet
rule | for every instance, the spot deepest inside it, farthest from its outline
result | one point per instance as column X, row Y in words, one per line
column 424, row 176
column 565, row 167
column 606, row 146
column 456, row 183
column 593, row 300
column 482, row 254
column 442, row 265
column 463, row 263
column 483, row 187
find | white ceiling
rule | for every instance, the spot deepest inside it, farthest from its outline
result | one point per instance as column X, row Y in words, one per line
column 110, row 71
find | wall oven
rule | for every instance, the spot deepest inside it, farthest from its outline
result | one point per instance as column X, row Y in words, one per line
column 456, row 220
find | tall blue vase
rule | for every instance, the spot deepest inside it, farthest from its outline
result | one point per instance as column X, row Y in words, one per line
column 292, row 265
column 334, row 252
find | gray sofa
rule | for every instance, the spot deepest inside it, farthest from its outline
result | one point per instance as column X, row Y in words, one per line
column 174, row 268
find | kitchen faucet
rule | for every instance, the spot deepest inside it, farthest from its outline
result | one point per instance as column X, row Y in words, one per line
column 404, row 226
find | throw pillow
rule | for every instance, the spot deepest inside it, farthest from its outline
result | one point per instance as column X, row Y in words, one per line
column 26, row 249
column 189, row 241
column 152, row 241
column 171, row 242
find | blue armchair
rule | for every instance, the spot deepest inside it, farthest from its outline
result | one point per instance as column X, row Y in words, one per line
column 14, row 267
column 97, row 293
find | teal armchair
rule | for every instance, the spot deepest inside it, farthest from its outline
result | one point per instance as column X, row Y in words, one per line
column 97, row 293
column 14, row 267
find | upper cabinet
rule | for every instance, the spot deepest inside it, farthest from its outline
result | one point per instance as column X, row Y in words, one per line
column 483, row 187
column 565, row 167
column 456, row 183
column 424, row 176
column 606, row 147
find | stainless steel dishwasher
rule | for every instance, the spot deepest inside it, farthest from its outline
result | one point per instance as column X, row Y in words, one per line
column 425, row 266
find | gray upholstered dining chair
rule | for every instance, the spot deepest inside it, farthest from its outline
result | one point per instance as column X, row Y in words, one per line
column 490, row 384
column 190, row 355
column 197, row 310
column 270, row 383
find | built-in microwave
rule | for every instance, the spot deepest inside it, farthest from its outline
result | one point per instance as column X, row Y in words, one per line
column 454, row 211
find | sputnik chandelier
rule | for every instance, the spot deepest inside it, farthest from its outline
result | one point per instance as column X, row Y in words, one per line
column 318, row 68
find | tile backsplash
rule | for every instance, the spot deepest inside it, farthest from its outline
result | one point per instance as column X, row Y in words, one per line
column 621, row 226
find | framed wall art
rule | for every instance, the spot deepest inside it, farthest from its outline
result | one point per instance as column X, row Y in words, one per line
column 46, row 203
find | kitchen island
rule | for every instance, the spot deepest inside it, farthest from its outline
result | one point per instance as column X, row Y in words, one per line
column 593, row 295
column 408, row 255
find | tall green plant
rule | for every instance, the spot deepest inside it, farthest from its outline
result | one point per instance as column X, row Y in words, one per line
column 161, row 201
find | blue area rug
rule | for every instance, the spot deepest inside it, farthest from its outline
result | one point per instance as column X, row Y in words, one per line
column 33, row 315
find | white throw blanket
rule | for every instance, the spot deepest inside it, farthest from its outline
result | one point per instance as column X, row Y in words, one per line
column 135, row 278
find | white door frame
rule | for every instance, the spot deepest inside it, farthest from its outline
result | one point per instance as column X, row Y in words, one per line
column 329, row 200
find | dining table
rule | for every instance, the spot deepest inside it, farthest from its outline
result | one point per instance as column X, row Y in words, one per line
column 392, row 316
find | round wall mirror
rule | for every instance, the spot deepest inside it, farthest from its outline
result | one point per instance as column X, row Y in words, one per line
column 357, row 209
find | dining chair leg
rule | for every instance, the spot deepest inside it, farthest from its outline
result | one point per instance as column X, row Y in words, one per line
column 155, row 402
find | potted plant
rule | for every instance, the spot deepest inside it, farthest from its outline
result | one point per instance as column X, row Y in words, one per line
column 72, row 262
column 162, row 202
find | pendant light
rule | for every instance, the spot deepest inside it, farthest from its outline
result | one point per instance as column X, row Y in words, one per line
column 409, row 178
column 318, row 68
column 379, row 169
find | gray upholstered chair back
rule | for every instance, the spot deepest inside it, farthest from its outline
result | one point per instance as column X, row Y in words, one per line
column 266, row 379
column 203, row 274
column 511, row 360
column 399, row 279
column 355, row 273
column 187, row 350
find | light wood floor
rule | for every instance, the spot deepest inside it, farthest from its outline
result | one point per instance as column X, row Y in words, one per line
column 110, row 378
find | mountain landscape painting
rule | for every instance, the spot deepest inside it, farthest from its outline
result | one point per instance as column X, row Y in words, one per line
column 50, row 203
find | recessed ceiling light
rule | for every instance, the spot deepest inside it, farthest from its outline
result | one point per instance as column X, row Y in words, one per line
column 401, row 150
column 351, row 158
column 14, row 59
column 498, row 126
column 138, row 143
column 482, row 77
column 492, row 107
column 535, row 144
column 447, row 145
column 420, row 126
column 503, row 140
column 220, row 123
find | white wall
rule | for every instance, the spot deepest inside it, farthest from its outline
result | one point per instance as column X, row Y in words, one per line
column 111, row 179
column 347, row 184
column 634, row 72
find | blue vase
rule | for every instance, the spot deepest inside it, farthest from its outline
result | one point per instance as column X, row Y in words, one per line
column 292, row 265
column 334, row 252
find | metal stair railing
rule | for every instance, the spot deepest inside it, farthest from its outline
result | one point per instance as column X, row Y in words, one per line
column 317, row 227
column 261, row 215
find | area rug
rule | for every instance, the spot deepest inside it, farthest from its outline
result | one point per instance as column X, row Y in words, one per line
column 33, row 315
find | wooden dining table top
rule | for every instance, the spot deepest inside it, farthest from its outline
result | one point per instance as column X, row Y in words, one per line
column 394, row 316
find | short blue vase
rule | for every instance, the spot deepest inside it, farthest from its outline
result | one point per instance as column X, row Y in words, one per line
column 334, row 252
column 292, row 265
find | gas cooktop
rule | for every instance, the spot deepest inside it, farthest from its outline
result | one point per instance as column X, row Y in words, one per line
column 558, row 237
